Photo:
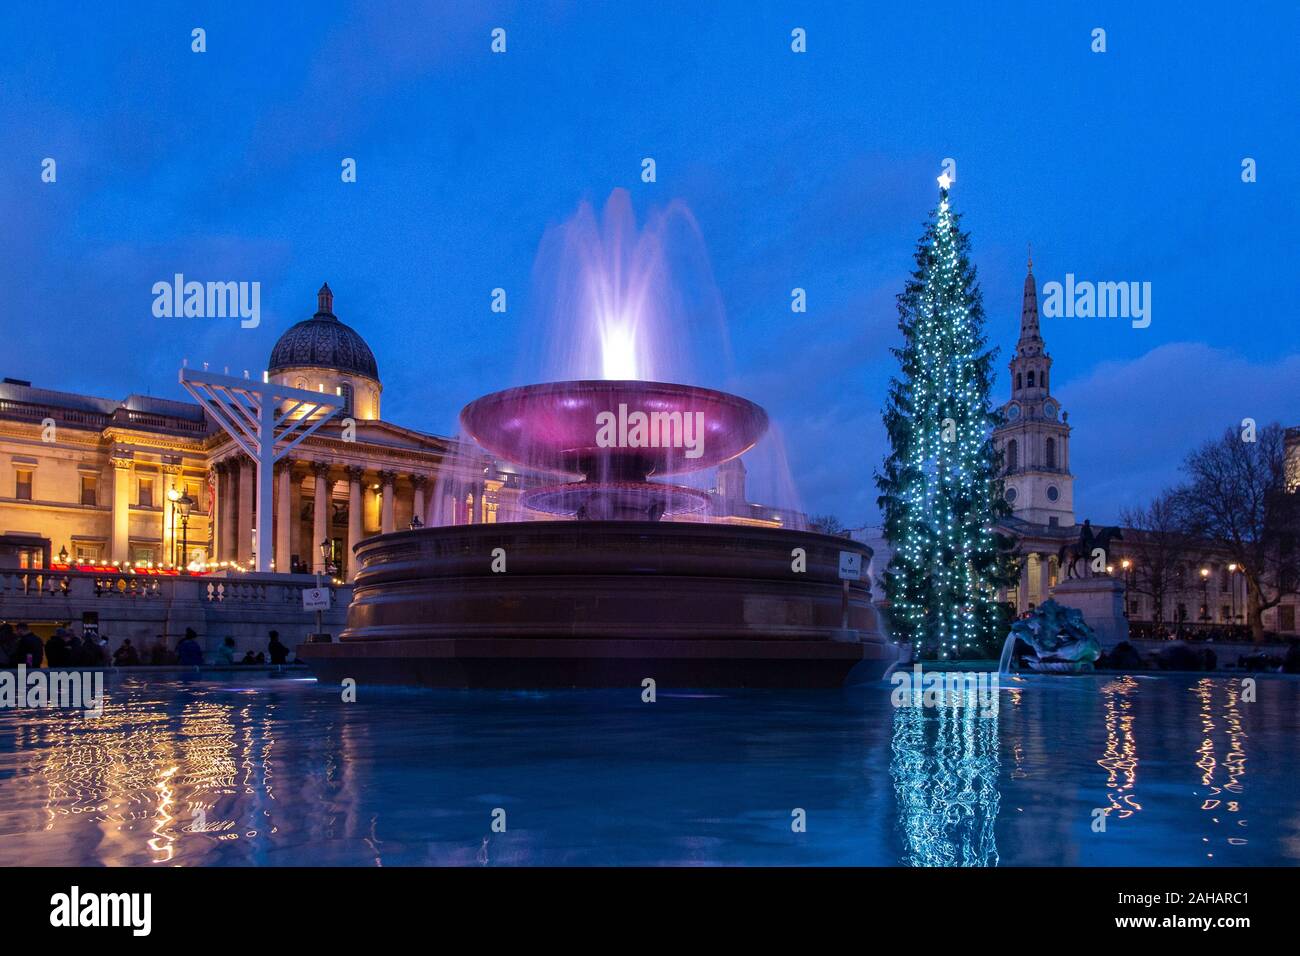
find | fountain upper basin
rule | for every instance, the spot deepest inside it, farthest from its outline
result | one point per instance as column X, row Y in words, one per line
column 554, row 427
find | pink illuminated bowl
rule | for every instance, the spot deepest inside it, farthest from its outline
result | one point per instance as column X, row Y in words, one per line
column 555, row 427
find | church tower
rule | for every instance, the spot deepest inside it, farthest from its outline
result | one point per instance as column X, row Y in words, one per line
column 1034, row 438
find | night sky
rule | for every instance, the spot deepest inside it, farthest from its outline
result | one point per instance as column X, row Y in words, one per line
column 811, row 170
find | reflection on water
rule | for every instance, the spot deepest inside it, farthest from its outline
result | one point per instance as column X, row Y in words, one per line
column 945, row 768
column 279, row 772
column 1120, row 759
column 1221, row 781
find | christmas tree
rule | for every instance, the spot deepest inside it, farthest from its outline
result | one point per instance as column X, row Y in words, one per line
column 940, row 493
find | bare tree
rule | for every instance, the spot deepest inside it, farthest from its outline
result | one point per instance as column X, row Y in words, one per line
column 828, row 524
column 1160, row 547
column 1237, row 497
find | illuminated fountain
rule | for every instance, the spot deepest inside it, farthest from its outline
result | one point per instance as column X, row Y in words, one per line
column 605, row 588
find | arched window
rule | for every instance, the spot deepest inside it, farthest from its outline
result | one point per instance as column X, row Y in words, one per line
column 1051, row 453
column 345, row 390
column 1019, row 381
column 1013, row 455
column 1031, row 378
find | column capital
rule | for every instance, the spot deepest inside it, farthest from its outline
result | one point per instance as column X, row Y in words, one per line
column 320, row 469
column 419, row 480
column 355, row 472
column 388, row 477
column 122, row 461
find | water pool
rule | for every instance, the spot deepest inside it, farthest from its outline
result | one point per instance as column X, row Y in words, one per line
column 1183, row 769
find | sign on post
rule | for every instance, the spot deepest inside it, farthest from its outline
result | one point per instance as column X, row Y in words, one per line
column 315, row 599
column 850, row 566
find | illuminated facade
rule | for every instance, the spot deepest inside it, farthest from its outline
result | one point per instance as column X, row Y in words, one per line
column 107, row 480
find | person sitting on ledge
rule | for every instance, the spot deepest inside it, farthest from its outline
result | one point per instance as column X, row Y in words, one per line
column 1291, row 663
column 92, row 652
column 188, row 650
column 226, row 652
column 30, row 649
column 8, row 645
column 126, row 655
column 279, row 652
column 56, row 648
column 249, row 658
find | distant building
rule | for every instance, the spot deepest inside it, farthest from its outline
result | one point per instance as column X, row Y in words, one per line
column 1034, row 441
column 100, row 478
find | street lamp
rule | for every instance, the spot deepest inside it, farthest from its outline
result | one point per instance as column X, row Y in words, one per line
column 184, row 503
column 1205, row 595
column 325, row 549
column 1232, row 586
column 173, row 496
column 63, row 555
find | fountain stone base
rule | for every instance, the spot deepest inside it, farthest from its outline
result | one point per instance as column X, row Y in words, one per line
column 604, row 604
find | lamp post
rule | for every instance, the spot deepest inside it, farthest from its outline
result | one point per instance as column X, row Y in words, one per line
column 325, row 550
column 184, row 503
column 1205, row 595
column 63, row 555
column 173, row 496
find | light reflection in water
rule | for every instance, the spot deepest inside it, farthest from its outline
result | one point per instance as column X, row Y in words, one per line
column 1218, row 799
column 945, row 769
column 1120, row 760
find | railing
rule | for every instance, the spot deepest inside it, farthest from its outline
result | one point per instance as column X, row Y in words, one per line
column 61, row 585
column 1195, row 631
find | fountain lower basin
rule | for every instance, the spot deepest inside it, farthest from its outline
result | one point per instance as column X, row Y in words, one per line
column 605, row 604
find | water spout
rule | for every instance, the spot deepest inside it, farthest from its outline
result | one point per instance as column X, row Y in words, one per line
column 1008, row 652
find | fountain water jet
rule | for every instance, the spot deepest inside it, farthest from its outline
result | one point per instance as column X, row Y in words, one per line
column 613, row 595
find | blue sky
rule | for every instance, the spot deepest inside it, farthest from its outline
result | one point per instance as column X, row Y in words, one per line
column 813, row 170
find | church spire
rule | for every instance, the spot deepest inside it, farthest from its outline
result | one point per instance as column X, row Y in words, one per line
column 1029, row 331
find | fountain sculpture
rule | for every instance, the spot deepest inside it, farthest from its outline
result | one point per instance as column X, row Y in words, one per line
column 607, row 588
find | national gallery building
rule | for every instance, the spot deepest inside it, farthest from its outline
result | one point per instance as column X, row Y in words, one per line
column 157, row 482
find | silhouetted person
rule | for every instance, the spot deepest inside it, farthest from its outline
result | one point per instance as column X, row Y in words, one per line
column 92, row 652
column 249, row 658
column 126, row 655
column 1291, row 663
column 75, row 647
column 188, row 650
column 56, row 649
column 8, row 645
column 261, row 658
column 279, row 652
column 30, row 649
column 226, row 652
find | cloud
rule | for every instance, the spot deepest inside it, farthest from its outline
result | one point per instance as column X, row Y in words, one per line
column 1135, row 421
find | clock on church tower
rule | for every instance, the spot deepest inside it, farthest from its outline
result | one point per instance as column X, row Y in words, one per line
column 1034, row 438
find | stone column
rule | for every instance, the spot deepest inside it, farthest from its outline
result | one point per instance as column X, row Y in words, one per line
column 320, row 514
column 295, row 516
column 356, row 518
column 1022, row 594
column 417, row 506
column 1044, row 577
column 244, row 518
column 283, row 516
column 121, row 506
column 226, row 504
column 386, row 521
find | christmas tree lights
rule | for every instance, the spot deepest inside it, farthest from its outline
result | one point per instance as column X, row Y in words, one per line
column 940, row 494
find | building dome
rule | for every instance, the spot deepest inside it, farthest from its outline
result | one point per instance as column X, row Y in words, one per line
column 324, row 342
